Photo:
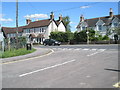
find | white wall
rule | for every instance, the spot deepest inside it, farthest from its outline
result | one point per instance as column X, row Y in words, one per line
column 51, row 28
column 61, row 27
column 1, row 36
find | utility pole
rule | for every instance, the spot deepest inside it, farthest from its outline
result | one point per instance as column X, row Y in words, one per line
column 16, row 24
column 87, row 34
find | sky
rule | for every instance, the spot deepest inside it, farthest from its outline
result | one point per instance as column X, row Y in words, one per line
column 42, row 10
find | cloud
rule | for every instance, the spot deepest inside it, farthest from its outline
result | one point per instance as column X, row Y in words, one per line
column 71, row 22
column 5, row 19
column 83, row 7
column 36, row 16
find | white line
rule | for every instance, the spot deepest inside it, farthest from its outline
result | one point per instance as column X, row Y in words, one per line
column 77, row 49
column 46, row 68
column 85, row 49
column 94, row 49
column 100, row 50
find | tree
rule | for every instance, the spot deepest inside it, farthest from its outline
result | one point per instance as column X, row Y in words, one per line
column 80, row 36
column 61, row 36
column 66, row 21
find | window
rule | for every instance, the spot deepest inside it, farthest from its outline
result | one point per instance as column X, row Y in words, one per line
column 99, row 27
column 42, row 29
column 83, row 28
column 115, row 24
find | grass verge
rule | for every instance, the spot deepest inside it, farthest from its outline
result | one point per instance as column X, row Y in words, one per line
column 18, row 52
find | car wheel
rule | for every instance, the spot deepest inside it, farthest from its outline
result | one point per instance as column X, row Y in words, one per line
column 44, row 44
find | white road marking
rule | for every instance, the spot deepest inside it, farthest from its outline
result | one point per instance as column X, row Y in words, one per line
column 46, row 68
column 88, row 76
column 93, row 49
column 100, row 50
column 77, row 49
column 85, row 49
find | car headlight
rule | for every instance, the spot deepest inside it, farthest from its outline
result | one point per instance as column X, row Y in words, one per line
column 56, row 42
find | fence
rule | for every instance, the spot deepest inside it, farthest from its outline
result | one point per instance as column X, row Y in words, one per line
column 11, row 43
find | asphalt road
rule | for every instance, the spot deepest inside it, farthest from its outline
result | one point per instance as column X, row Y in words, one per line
column 76, row 66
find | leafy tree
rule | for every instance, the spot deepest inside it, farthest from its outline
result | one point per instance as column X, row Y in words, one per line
column 66, row 21
column 80, row 36
column 62, row 36
column 105, row 37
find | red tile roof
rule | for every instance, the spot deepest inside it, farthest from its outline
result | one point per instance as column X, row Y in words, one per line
column 39, row 23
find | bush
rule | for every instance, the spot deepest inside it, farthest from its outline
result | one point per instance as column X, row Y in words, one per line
column 80, row 36
column 105, row 38
column 62, row 36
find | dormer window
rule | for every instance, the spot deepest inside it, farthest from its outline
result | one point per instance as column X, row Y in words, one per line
column 99, row 27
column 83, row 28
column 115, row 24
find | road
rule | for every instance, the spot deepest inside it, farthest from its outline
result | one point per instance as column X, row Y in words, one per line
column 75, row 66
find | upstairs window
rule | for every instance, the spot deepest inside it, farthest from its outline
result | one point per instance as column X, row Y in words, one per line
column 83, row 28
column 99, row 27
column 115, row 24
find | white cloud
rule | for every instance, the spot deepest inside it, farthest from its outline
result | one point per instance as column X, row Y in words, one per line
column 75, row 26
column 6, row 20
column 71, row 22
column 36, row 16
column 83, row 7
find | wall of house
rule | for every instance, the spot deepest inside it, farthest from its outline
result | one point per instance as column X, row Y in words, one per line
column 36, row 31
column 51, row 28
column 61, row 27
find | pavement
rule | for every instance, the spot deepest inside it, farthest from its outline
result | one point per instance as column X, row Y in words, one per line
column 38, row 52
column 76, row 66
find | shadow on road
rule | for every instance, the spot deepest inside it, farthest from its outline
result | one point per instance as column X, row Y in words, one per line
column 112, row 70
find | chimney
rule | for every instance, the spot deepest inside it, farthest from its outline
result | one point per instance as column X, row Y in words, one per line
column 81, row 18
column 60, row 17
column 52, row 15
column 28, row 21
column 111, row 12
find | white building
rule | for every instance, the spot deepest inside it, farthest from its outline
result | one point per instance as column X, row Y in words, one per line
column 36, row 31
column 101, row 24
column 1, row 40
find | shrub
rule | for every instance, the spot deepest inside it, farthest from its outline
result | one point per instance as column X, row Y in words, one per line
column 61, row 36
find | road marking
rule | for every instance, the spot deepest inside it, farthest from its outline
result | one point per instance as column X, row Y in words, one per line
column 93, row 49
column 77, row 49
column 85, row 49
column 100, row 50
column 117, row 85
column 46, row 68
column 29, row 58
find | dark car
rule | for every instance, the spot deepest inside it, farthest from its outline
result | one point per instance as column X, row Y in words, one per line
column 51, row 42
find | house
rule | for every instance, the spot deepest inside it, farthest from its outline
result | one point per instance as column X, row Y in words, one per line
column 36, row 31
column 1, row 40
column 101, row 25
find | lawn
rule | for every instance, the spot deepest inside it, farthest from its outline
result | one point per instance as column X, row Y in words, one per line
column 15, row 52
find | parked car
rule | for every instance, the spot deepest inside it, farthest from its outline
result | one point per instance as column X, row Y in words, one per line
column 51, row 42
